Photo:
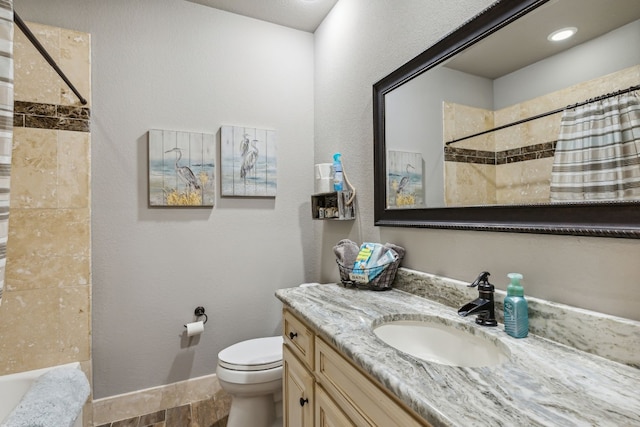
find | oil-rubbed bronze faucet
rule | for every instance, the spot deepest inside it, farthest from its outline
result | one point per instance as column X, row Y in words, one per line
column 483, row 305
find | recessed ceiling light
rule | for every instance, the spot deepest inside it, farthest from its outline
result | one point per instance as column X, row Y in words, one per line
column 562, row 34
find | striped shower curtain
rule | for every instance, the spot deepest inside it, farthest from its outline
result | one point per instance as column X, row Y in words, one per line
column 6, row 125
column 597, row 154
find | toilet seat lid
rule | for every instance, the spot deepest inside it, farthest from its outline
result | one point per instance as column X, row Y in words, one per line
column 253, row 355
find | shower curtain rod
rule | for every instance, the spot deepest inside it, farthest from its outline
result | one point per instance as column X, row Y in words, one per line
column 548, row 113
column 34, row 41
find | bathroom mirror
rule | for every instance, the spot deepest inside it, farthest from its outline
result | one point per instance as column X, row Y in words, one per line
column 465, row 133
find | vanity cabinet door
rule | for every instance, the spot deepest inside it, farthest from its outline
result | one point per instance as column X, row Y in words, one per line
column 359, row 397
column 328, row 414
column 298, row 392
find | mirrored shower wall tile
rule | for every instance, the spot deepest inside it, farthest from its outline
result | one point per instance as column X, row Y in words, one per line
column 51, row 116
column 18, row 120
column 27, row 271
column 34, row 78
column 73, row 112
column 37, row 81
column 75, row 323
column 57, row 123
column 50, row 232
column 74, row 159
column 514, row 155
column 24, row 347
column 41, row 122
column 34, row 168
column 75, row 60
column 34, row 108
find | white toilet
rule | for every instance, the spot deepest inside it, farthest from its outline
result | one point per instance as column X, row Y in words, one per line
column 251, row 372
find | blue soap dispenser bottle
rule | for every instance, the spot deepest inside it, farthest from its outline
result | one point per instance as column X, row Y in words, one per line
column 516, row 309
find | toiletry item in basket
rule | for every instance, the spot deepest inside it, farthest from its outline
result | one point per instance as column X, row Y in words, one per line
column 360, row 272
column 346, row 252
column 397, row 249
column 379, row 264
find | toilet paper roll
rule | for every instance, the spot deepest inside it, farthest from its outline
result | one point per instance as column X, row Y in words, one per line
column 324, row 185
column 195, row 328
column 323, row 170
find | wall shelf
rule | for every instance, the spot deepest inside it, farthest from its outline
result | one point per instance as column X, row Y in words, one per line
column 333, row 206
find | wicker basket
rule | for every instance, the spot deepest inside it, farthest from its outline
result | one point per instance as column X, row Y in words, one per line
column 382, row 282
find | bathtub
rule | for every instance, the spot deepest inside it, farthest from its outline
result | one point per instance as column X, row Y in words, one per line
column 14, row 386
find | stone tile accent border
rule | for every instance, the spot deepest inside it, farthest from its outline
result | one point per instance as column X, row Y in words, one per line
column 51, row 116
column 196, row 414
column 521, row 154
column 198, row 402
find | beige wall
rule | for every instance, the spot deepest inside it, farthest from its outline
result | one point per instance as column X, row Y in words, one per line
column 45, row 318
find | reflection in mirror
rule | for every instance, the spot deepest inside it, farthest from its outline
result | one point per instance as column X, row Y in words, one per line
column 516, row 75
column 486, row 129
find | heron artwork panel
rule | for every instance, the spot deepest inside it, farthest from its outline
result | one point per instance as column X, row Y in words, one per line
column 181, row 168
column 404, row 180
column 248, row 162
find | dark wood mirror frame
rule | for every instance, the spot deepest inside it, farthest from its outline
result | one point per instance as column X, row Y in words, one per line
column 606, row 219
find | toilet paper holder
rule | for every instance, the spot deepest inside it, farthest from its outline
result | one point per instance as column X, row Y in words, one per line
column 199, row 312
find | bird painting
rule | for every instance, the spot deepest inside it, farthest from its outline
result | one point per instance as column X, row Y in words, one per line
column 248, row 162
column 406, row 179
column 244, row 144
column 249, row 156
column 184, row 172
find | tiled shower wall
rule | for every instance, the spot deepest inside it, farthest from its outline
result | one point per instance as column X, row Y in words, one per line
column 513, row 165
column 45, row 318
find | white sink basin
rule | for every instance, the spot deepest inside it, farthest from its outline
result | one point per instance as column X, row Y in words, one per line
column 436, row 342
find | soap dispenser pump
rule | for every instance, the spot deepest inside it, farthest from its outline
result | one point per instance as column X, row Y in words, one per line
column 516, row 309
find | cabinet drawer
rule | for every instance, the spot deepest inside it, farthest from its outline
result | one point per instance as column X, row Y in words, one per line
column 299, row 338
column 361, row 399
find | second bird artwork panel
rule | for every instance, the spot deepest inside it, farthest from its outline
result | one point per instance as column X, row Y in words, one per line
column 248, row 162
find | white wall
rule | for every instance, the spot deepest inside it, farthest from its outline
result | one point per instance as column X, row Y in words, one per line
column 359, row 43
column 173, row 64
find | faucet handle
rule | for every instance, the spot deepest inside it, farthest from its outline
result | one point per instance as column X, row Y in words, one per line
column 482, row 279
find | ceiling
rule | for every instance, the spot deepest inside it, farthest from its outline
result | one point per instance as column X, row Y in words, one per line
column 305, row 15
column 517, row 46
column 490, row 58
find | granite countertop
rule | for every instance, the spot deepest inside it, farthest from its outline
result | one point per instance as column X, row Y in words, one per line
column 543, row 383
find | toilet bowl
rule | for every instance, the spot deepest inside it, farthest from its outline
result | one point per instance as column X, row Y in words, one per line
column 251, row 373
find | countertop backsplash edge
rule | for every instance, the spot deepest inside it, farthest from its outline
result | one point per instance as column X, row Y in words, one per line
column 611, row 337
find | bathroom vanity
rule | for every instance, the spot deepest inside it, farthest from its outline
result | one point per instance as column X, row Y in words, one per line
column 323, row 388
column 338, row 372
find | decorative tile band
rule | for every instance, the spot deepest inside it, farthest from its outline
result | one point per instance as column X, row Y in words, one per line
column 51, row 116
column 465, row 155
column 521, row 154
